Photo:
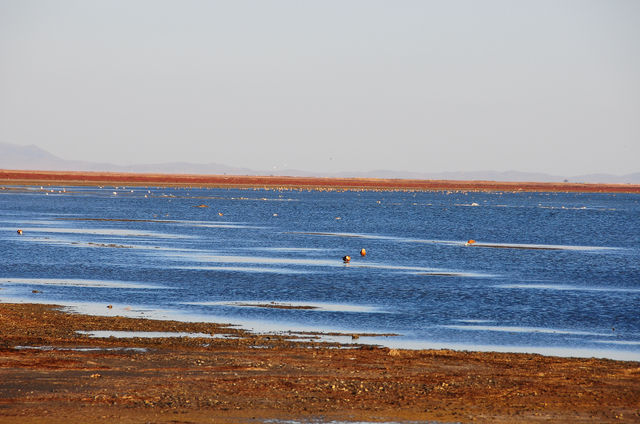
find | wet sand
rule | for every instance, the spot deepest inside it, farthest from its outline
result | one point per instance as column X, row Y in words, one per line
column 13, row 177
column 50, row 373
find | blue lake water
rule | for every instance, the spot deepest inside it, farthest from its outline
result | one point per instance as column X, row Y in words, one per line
column 551, row 273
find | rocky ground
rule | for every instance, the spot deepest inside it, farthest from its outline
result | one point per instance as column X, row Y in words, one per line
column 50, row 373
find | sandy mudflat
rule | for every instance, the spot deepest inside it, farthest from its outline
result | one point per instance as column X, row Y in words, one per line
column 13, row 177
column 50, row 373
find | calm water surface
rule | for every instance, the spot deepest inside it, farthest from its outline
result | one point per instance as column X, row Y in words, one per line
column 553, row 273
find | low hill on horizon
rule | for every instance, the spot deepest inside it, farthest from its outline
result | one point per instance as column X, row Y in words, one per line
column 32, row 157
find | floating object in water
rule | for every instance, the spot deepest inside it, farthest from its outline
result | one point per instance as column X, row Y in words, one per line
column 36, row 291
column 200, row 206
column 470, row 242
column 20, row 232
column 346, row 259
column 363, row 252
column 338, row 218
column 220, row 213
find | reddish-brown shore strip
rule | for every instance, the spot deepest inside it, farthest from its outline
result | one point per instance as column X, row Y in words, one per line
column 19, row 177
column 50, row 373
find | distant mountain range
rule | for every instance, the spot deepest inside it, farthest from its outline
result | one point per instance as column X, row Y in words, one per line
column 32, row 157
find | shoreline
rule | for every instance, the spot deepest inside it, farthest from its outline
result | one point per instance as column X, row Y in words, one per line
column 51, row 372
column 336, row 336
column 78, row 178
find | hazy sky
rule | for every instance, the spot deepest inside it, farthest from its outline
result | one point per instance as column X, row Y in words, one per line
column 533, row 85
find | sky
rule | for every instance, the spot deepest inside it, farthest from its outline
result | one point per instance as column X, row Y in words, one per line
column 547, row 86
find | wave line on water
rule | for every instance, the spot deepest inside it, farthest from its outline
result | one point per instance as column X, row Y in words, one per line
column 348, row 235
column 619, row 342
column 273, row 270
column 73, row 282
column 521, row 246
column 564, row 287
column 314, row 306
column 110, row 232
column 204, row 257
column 510, row 329
column 264, row 260
column 495, row 245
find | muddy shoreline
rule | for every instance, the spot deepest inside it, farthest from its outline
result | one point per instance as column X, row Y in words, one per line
column 51, row 373
column 71, row 178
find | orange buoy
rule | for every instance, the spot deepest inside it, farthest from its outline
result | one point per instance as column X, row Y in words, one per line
column 363, row 252
column 469, row 243
column 346, row 259
column 20, row 232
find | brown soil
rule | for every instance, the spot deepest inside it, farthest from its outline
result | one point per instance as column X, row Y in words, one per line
column 253, row 378
column 13, row 177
